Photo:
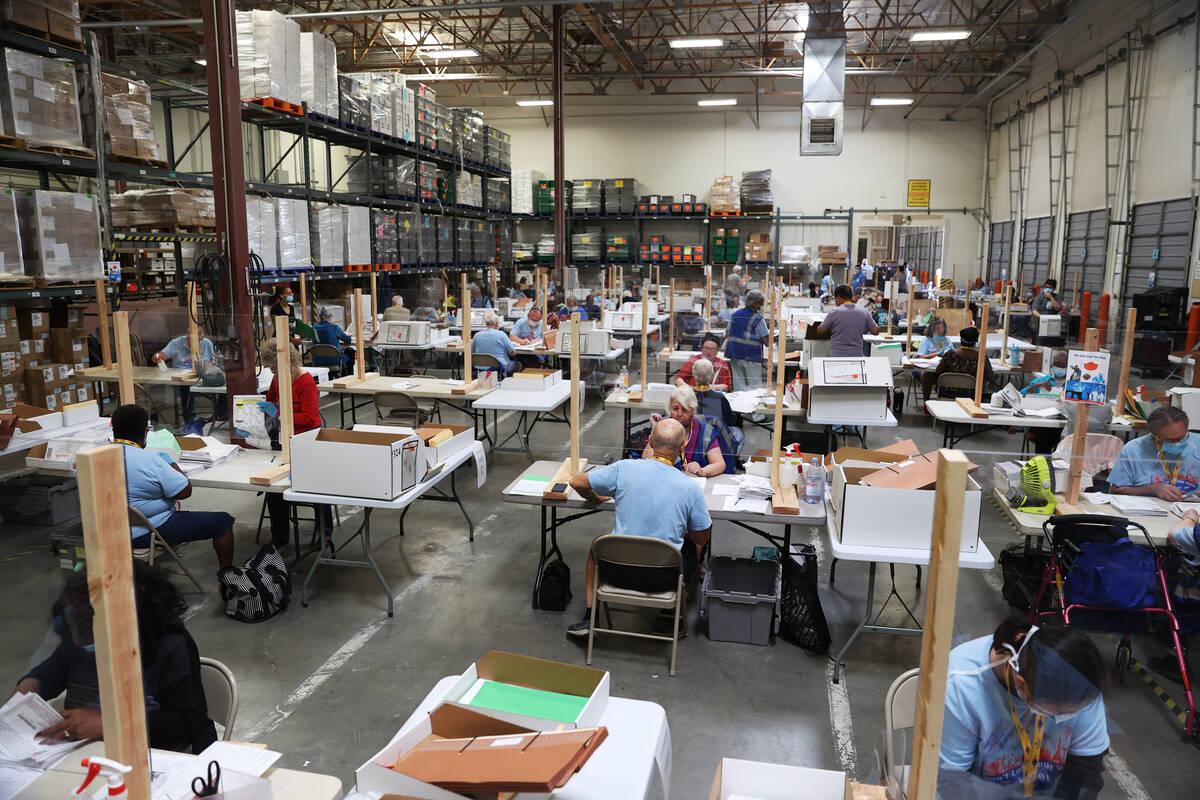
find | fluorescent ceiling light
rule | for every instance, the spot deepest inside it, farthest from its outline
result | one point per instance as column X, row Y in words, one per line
column 412, row 38
column 202, row 62
column 527, row 103
column 724, row 101
column 423, row 77
column 939, row 36
column 460, row 52
column 891, row 101
column 680, row 44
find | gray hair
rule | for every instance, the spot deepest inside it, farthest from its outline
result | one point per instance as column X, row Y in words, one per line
column 1163, row 416
column 686, row 397
column 702, row 371
column 472, row 288
column 754, row 299
column 490, row 319
column 397, row 299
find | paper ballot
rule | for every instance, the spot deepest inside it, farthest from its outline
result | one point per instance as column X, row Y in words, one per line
column 20, row 720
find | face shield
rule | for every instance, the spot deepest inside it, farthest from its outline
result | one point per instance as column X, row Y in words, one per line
column 79, row 616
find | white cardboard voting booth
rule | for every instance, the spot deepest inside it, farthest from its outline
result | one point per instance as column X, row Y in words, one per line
column 849, row 388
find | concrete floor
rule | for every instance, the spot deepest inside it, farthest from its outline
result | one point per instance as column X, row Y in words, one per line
column 328, row 685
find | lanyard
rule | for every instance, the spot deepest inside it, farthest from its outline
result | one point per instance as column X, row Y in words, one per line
column 1030, row 750
column 662, row 460
column 702, row 388
column 1171, row 477
column 126, row 441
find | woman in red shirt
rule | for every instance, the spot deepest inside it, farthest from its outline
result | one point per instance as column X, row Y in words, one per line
column 306, row 415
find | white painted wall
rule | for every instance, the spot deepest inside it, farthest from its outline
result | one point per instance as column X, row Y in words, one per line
column 674, row 152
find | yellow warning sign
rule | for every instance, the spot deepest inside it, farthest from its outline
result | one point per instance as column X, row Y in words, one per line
column 918, row 193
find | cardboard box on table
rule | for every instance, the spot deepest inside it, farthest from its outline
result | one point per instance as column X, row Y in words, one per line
column 409, row 332
column 591, row 343
column 461, row 437
column 621, row 320
column 368, row 464
column 878, row 516
column 865, row 400
column 763, row 781
column 532, row 380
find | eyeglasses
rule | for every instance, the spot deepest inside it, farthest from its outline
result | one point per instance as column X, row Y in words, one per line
column 1175, row 440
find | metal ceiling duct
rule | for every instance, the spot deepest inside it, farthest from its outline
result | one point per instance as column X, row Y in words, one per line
column 823, row 109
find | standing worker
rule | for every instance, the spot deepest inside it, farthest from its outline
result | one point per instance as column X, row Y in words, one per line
column 735, row 283
column 743, row 346
column 845, row 325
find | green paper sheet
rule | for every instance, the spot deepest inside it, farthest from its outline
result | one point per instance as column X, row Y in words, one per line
column 529, row 702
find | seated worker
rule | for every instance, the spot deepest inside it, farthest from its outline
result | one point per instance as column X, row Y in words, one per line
column 652, row 499
column 425, row 310
column 827, row 283
column 845, row 325
column 1047, row 301
column 153, row 484
column 520, row 291
column 701, row 451
column 178, row 355
column 963, row 360
column 527, row 330
column 1165, row 463
column 491, row 341
column 726, row 312
column 591, row 308
column 1024, row 711
column 710, row 401
column 813, row 291
column 331, row 333
column 306, row 416
column 396, row 312
column 176, row 712
column 936, row 342
column 478, row 300
column 709, row 349
column 572, row 307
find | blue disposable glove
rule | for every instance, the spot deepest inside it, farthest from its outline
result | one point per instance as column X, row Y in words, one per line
column 268, row 408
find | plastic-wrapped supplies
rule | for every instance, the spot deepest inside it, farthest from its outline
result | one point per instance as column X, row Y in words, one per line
column 468, row 189
column 503, row 242
column 467, row 125
column 483, row 241
column 357, row 249
column 756, row 192
column 404, row 106
column 443, row 122
column 261, row 231
column 427, row 238
column 354, row 101
column 545, row 248
column 163, row 208
column 60, row 235
column 586, row 196
column 497, row 148
column 462, row 239
column 523, row 252
column 11, row 263
column 40, row 100
column 496, row 195
column 385, row 232
column 269, row 55
column 427, row 182
column 328, row 236
column 383, row 119
column 524, row 190
column 318, row 74
column 725, row 196
column 292, row 227
column 406, row 237
column 620, row 195
column 129, row 126
column 445, row 240
column 426, row 118
column 586, row 245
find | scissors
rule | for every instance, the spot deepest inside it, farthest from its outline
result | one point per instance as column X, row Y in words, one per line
column 202, row 788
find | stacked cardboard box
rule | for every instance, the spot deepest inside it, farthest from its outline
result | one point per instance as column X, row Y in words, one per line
column 725, row 196
column 832, row 255
column 328, row 235
column 11, row 263
column 354, row 100
column 269, row 55
column 59, row 18
column 620, row 195
column 129, row 127
column 524, row 190
column 40, row 100
column 758, row 248
column 261, row 231
column 164, row 208
column 726, row 246
column 12, row 369
column 357, row 243
column 545, row 197
column 291, row 225
column 318, row 74
column 60, row 235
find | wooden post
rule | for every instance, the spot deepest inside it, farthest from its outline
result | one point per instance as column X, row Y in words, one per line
column 784, row 501
column 939, row 623
column 304, row 298
column 464, row 315
column 360, row 359
column 362, row 346
column 492, row 278
column 193, row 327
column 771, row 340
column 1126, row 357
column 573, row 464
column 972, row 407
column 445, row 291
column 657, row 278
column 1079, row 432
column 670, row 348
column 908, row 315
column 124, row 357
column 603, row 288
column 891, row 307
column 707, row 296
column 640, row 393
column 106, row 537
column 1004, row 343
column 283, row 377
column 102, row 312
column 541, row 292
column 1075, row 291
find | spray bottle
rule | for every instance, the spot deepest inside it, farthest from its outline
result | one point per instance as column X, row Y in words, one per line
column 110, row 769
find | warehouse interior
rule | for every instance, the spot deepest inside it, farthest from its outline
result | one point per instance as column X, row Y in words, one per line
column 200, row 199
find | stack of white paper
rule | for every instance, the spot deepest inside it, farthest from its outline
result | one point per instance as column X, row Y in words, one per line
column 1137, row 506
column 214, row 452
column 21, row 719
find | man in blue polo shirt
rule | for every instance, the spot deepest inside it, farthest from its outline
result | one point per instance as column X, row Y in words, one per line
column 652, row 498
column 1164, row 464
column 491, row 341
column 154, row 483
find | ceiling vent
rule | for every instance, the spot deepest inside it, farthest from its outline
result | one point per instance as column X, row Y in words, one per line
column 824, row 105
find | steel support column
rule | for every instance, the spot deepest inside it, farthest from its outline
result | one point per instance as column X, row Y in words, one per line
column 560, row 206
column 229, row 179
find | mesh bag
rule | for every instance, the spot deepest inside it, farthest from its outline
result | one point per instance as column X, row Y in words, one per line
column 802, row 620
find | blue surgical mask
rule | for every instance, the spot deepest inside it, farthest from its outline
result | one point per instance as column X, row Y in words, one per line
column 1047, row 290
column 289, row 298
column 89, row 648
column 1173, row 449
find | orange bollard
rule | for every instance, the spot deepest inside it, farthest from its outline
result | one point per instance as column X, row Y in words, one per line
column 1102, row 322
column 998, row 287
column 1193, row 329
column 924, row 276
column 1085, row 314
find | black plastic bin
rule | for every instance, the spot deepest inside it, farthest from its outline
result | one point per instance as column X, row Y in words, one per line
column 739, row 599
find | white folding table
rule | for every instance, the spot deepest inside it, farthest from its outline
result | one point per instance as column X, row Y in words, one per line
column 541, row 404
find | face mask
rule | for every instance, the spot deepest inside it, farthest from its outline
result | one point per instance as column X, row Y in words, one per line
column 89, row 648
column 1173, row 449
column 1047, row 291
column 289, row 298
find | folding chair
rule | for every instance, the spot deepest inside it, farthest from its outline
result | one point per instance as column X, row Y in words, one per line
column 400, row 408
column 138, row 520
column 220, row 694
column 899, row 713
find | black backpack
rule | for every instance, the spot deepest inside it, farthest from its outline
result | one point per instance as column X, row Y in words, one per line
column 259, row 590
column 801, row 618
column 554, row 592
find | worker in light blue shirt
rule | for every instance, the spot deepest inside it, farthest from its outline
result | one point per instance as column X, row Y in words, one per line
column 935, row 342
column 493, row 342
column 827, row 284
column 331, row 333
column 1164, row 464
column 572, row 307
column 652, row 499
column 178, row 355
column 529, row 327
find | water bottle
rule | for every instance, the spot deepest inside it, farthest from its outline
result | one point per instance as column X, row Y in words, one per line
column 814, row 483
column 624, row 377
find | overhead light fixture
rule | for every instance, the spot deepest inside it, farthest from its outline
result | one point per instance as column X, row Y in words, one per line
column 425, row 77
column 450, row 52
column 891, row 101
column 694, row 42
column 724, row 101
column 939, row 36
column 528, row 103
column 202, row 62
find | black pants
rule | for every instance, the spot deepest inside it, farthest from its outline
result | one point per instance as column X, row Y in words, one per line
column 280, row 512
column 651, row 579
